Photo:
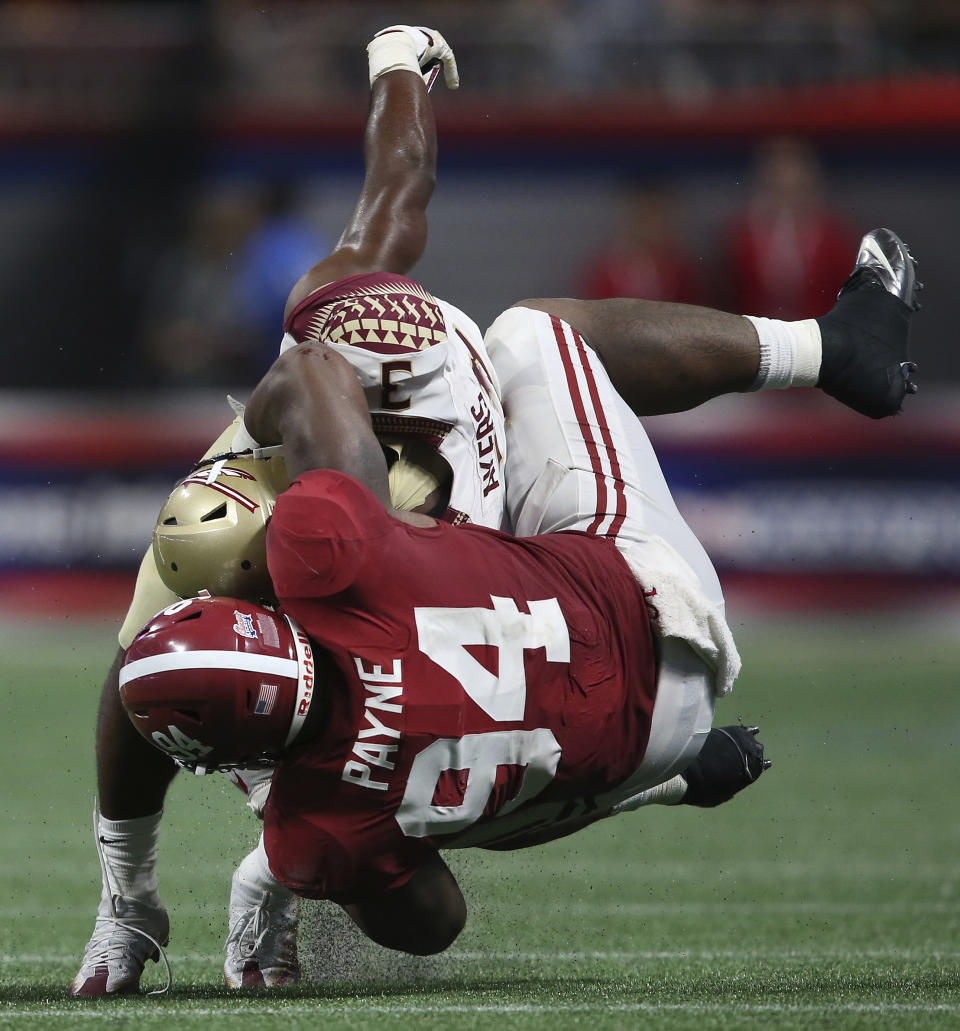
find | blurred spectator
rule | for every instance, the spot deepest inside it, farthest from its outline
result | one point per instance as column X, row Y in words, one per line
column 193, row 332
column 588, row 37
column 215, row 316
column 646, row 257
column 274, row 256
column 787, row 250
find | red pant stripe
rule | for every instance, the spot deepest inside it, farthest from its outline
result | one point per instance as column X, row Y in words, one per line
column 606, row 435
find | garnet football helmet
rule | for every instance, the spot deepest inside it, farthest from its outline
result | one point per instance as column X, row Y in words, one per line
column 217, row 682
column 211, row 532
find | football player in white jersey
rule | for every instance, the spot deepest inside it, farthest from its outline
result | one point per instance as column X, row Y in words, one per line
column 435, row 399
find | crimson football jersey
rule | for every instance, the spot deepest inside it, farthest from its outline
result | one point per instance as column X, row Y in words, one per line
column 479, row 673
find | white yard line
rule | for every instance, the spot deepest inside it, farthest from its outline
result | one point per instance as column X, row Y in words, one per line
column 328, row 1009
column 619, row 956
column 628, row 908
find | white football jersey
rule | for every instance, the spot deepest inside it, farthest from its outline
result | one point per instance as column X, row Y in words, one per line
column 427, row 377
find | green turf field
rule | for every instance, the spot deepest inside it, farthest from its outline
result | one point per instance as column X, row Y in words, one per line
column 828, row 896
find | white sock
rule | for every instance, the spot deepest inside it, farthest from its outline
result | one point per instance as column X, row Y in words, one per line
column 129, row 850
column 255, row 873
column 790, row 353
column 670, row 792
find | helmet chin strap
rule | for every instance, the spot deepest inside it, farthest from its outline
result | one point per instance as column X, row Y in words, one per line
column 217, row 461
column 198, row 768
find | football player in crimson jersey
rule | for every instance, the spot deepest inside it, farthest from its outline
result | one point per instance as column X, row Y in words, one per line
column 661, row 358
column 427, row 379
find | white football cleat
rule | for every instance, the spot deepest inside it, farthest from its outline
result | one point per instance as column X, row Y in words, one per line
column 127, row 933
column 262, row 942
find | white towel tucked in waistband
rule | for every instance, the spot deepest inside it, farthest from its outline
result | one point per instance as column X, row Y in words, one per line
column 682, row 609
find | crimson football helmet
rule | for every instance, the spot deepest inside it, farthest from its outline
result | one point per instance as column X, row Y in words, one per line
column 218, row 683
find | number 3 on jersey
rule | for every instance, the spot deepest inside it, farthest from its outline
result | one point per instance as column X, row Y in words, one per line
column 444, row 636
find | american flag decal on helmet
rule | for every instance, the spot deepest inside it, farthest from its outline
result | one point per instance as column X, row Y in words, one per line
column 265, row 700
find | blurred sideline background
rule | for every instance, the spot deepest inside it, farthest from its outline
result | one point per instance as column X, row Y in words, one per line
column 167, row 170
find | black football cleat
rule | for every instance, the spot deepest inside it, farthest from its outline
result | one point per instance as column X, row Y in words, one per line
column 865, row 335
column 730, row 760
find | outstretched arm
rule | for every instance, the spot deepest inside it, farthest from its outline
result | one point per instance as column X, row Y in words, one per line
column 387, row 231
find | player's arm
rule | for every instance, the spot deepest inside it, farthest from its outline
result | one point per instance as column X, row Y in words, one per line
column 311, row 401
column 387, row 231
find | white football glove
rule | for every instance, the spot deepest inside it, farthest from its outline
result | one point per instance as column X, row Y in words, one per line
column 416, row 48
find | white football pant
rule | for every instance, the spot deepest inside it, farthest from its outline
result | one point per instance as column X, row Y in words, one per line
column 579, row 459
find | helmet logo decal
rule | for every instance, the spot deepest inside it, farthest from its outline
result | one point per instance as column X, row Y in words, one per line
column 214, row 484
column 265, row 700
column 179, row 744
column 306, row 695
column 244, row 625
column 221, row 468
column 305, row 669
column 269, row 633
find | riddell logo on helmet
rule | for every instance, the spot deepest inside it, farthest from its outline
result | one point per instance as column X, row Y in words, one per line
column 307, row 673
column 244, row 625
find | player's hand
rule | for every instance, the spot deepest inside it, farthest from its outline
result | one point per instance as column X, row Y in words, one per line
column 730, row 760
column 416, row 48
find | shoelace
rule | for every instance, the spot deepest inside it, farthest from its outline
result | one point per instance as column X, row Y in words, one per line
column 103, row 948
column 114, row 921
column 251, row 928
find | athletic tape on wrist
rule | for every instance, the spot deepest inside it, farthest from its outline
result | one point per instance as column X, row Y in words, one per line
column 390, row 52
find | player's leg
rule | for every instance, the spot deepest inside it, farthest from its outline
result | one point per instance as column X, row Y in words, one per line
column 578, row 459
column 731, row 759
column 261, row 947
column 132, row 781
column 423, row 917
column 671, row 357
column 577, row 456
column 663, row 357
column 120, row 749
